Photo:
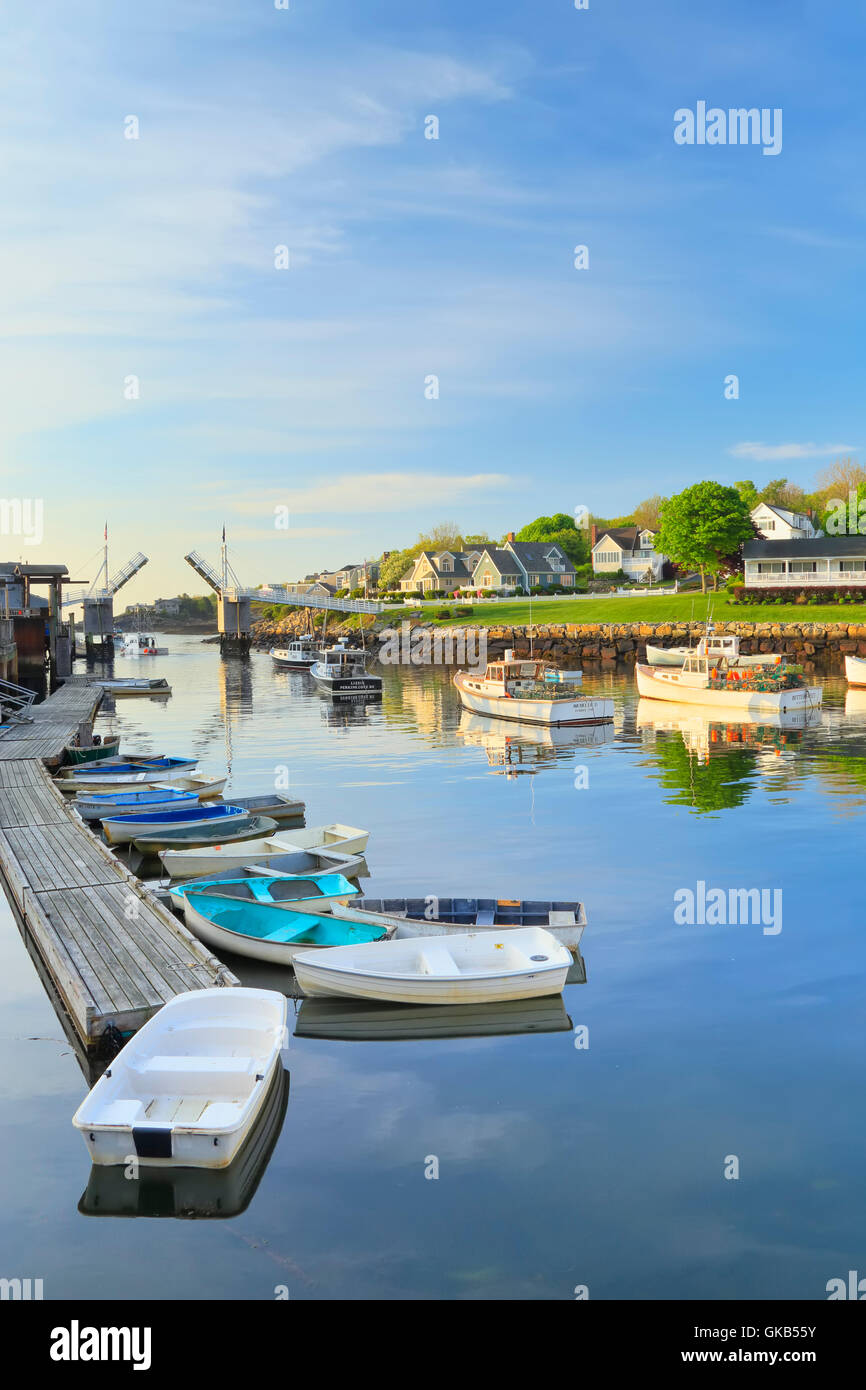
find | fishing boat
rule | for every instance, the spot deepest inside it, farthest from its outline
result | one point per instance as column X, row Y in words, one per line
column 135, row 774
column 435, row 916
column 339, row 839
column 187, row 1087
column 712, row 644
column 155, row 685
column 299, row 892
column 478, row 967
column 192, row 1194
column 99, row 804
column 190, row 863
column 710, row 681
column 342, row 671
column 74, row 755
column 203, row 832
column 141, row 644
column 855, row 670
column 364, row 1020
column 124, row 829
column 299, row 655
column 269, row 931
column 532, row 692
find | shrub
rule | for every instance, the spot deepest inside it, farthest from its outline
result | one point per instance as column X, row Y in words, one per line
column 442, row 613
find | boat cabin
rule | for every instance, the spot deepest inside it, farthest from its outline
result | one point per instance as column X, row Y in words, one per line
column 726, row 645
column 142, row 642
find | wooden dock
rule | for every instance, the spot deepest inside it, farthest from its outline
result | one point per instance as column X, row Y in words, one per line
column 114, row 954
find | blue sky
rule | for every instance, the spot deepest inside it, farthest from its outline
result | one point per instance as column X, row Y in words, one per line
column 409, row 257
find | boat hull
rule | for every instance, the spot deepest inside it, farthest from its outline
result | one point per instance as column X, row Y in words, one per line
column 123, row 829
column 223, row 857
column 258, row 948
column 349, row 685
column 76, row 757
column 657, row 686
column 855, row 670
column 191, row 837
column 585, row 710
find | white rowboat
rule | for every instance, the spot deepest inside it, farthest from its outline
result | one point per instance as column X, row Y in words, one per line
column 855, row 670
column 480, row 967
column 187, row 1088
column 334, row 839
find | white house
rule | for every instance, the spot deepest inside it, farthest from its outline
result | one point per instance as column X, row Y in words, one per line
column 779, row 524
column 811, row 563
column 627, row 548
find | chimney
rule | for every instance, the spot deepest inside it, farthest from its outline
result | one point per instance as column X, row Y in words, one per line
column 510, row 536
column 593, row 535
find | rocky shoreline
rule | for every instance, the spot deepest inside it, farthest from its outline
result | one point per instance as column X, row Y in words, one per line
column 566, row 644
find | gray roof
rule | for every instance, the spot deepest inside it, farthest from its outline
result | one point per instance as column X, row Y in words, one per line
column 810, row 547
column 625, row 536
column 533, row 553
column 503, row 560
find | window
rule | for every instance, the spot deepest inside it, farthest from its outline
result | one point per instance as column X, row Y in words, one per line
column 487, row 581
column 608, row 557
column 535, row 579
column 852, row 566
column 567, row 578
column 771, row 567
column 803, row 566
column 768, row 525
column 446, row 566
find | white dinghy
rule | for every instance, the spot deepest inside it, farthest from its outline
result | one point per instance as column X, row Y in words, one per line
column 345, row 842
column 855, row 670
column 477, row 968
column 187, row 1088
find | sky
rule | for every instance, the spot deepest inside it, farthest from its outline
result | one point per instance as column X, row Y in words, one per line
column 161, row 372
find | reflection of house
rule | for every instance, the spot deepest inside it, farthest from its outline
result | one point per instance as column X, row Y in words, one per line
column 779, row 524
column 814, row 562
column 627, row 548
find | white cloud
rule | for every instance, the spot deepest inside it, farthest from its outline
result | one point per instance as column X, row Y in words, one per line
column 767, row 453
column 369, row 492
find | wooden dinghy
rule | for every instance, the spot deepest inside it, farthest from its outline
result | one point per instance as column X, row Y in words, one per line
column 187, row 1088
column 475, row 968
column 75, row 756
column 411, row 917
column 128, row 827
column 204, row 832
column 314, row 893
column 322, row 839
column 855, row 670
column 362, row 1020
column 182, row 863
column 99, row 804
column 194, row 1193
column 269, row 931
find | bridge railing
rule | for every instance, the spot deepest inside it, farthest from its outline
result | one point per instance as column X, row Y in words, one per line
column 283, row 595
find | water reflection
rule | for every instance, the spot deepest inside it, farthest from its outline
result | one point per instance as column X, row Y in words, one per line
column 514, row 747
column 359, row 1021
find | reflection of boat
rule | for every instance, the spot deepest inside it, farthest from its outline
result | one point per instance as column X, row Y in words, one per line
column 530, row 692
column 714, row 645
column 188, row 1086
column 435, row 916
column 299, row 655
column 710, row 681
column 270, row 931
column 855, row 700
column 480, row 967
column 347, row 840
column 516, row 747
column 193, row 1193
column 364, row 1020
column 855, row 670
column 675, row 715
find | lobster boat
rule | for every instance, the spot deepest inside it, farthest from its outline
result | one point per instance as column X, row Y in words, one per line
column 532, row 692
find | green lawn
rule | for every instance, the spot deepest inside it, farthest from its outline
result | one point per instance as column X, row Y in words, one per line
column 673, row 608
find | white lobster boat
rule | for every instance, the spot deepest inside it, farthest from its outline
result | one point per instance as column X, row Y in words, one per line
column 712, row 683
column 299, row 655
column 187, row 1088
column 714, row 644
column 531, row 692
column 480, row 967
column 855, row 670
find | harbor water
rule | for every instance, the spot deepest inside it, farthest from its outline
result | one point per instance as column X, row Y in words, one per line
column 684, row 1123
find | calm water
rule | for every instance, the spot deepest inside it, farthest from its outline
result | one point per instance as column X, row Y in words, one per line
column 558, row 1165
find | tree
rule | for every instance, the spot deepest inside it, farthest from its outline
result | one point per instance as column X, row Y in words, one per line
column 703, row 527
column 561, row 529
column 648, row 513
column 748, row 492
column 783, row 494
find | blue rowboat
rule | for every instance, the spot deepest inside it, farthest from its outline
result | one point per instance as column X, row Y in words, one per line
column 121, row 829
column 294, row 892
column 267, row 931
column 99, row 804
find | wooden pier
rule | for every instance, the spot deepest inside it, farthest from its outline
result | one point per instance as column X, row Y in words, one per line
column 114, row 954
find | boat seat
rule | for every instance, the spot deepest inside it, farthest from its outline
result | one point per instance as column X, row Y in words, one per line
column 121, row 1112
column 291, row 930
column 195, row 1075
column 260, row 890
column 436, row 960
column 485, row 918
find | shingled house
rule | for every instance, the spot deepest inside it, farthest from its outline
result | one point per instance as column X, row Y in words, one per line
column 627, row 548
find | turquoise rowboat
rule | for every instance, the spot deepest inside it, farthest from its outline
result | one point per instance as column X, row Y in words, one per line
column 267, row 931
column 315, row 893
